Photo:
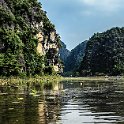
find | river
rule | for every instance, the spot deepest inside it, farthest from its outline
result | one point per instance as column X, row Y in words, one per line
column 65, row 102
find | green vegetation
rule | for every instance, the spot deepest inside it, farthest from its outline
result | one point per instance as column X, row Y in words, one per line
column 18, row 42
column 104, row 54
column 35, row 79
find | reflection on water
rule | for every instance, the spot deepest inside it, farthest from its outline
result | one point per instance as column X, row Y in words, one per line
column 62, row 103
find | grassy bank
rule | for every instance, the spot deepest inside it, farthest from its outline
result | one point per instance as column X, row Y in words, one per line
column 17, row 80
column 96, row 78
column 43, row 79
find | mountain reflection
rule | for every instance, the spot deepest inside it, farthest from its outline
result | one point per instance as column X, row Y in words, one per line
column 62, row 102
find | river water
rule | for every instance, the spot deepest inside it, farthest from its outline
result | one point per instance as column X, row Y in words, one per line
column 66, row 102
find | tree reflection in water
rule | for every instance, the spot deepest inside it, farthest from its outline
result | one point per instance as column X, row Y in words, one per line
column 62, row 102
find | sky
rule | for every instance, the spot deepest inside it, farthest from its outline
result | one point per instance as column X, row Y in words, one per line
column 77, row 20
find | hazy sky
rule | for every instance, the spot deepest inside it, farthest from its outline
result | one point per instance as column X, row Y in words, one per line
column 77, row 20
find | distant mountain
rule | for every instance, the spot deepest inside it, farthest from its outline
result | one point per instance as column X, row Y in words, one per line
column 64, row 52
column 75, row 57
column 104, row 54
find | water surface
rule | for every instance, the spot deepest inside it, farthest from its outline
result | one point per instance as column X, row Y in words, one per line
column 67, row 102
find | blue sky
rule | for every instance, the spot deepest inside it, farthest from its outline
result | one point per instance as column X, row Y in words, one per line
column 78, row 20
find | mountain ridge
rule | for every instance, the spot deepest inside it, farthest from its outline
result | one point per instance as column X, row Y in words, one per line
column 104, row 53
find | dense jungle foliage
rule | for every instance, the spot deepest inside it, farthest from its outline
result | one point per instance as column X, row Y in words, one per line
column 18, row 42
column 104, row 54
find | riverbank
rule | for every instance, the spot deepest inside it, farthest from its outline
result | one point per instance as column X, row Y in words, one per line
column 39, row 79
column 96, row 78
column 43, row 79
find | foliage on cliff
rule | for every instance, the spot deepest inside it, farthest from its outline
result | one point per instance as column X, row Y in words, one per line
column 104, row 53
column 20, row 21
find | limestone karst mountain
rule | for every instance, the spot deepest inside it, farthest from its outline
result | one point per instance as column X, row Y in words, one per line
column 104, row 54
column 29, row 43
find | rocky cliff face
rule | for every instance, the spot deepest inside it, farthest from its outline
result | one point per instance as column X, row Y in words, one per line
column 104, row 53
column 29, row 43
column 47, row 44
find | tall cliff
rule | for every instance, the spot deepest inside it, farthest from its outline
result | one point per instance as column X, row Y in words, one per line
column 104, row 53
column 29, row 43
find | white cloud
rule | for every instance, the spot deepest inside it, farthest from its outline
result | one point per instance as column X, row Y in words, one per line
column 104, row 5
